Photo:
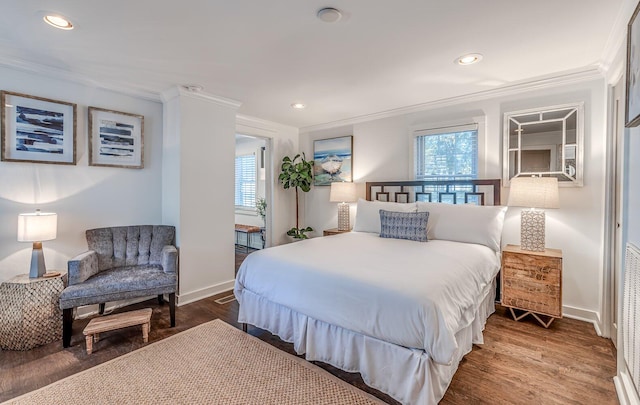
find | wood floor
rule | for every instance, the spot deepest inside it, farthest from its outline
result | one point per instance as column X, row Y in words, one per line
column 519, row 363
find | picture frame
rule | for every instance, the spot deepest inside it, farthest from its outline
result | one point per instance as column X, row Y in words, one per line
column 333, row 160
column 116, row 139
column 37, row 130
column 632, row 102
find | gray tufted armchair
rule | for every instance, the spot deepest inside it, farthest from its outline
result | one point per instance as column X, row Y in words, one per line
column 122, row 263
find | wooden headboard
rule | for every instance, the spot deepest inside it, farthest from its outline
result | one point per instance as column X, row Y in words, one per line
column 479, row 192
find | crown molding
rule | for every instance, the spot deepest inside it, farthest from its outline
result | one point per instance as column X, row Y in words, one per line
column 119, row 87
column 590, row 73
column 181, row 91
column 611, row 65
column 261, row 124
column 78, row 78
column 547, row 82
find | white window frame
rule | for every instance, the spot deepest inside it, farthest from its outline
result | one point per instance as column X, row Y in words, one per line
column 246, row 209
column 478, row 122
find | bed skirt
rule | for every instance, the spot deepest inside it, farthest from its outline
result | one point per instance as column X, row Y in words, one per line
column 408, row 375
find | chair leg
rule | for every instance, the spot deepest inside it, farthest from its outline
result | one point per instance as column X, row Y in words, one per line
column 160, row 299
column 67, row 323
column 101, row 309
column 172, row 308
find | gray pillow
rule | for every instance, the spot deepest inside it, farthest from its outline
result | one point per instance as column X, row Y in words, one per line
column 404, row 225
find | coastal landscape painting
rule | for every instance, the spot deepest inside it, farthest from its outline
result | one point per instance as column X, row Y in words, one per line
column 333, row 160
column 116, row 138
column 37, row 130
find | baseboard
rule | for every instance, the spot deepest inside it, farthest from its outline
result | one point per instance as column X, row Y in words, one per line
column 625, row 389
column 620, row 391
column 197, row 295
column 584, row 315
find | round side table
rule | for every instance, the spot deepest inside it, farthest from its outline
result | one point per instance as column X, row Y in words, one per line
column 30, row 313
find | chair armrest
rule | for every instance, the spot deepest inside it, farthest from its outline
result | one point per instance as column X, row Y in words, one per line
column 82, row 267
column 169, row 259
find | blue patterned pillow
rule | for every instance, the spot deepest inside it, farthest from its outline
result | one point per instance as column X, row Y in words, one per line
column 404, row 225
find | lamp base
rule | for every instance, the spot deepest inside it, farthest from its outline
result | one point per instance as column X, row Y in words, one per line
column 38, row 268
column 343, row 217
column 532, row 230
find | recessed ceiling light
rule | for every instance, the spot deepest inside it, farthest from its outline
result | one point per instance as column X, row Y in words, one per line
column 329, row 14
column 298, row 106
column 58, row 22
column 469, row 59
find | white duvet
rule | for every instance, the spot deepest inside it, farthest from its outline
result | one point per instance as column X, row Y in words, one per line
column 413, row 294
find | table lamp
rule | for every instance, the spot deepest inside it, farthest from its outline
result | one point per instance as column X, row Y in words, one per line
column 343, row 193
column 37, row 227
column 533, row 192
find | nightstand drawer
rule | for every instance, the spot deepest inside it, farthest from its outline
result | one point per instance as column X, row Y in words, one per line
column 532, row 282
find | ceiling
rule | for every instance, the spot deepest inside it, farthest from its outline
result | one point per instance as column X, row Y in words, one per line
column 382, row 55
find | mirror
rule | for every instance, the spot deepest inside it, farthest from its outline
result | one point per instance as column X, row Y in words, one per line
column 545, row 142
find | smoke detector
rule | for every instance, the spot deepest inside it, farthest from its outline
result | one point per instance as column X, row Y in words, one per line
column 329, row 14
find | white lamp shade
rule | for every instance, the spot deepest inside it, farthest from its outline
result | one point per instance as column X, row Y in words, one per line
column 37, row 226
column 534, row 192
column 343, row 192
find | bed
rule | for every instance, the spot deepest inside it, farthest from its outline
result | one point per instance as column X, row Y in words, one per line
column 400, row 311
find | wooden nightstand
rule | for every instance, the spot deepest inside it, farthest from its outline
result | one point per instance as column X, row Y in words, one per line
column 532, row 282
column 333, row 231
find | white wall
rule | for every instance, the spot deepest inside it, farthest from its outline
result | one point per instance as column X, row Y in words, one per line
column 323, row 214
column 382, row 151
column 83, row 196
column 200, row 133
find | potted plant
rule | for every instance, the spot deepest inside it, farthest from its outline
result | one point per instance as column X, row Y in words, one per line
column 297, row 174
column 261, row 208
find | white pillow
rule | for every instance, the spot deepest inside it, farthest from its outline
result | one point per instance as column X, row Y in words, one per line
column 368, row 213
column 465, row 223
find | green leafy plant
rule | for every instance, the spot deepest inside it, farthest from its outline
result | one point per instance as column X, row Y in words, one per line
column 299, row 233
column 261, row 208
column 297, row 173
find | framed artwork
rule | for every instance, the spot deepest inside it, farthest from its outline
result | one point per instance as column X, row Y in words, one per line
column 632, row 116
column 37, row 130
column 332, row 160
column 116, row 139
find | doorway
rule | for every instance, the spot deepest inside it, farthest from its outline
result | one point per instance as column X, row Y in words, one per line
column 252, row 194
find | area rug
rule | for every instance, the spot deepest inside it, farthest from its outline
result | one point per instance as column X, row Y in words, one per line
column 213, row 363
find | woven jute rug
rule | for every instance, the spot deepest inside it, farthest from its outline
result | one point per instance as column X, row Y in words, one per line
column 213, row 363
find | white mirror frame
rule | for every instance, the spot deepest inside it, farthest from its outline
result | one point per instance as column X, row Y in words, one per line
column 566, row 181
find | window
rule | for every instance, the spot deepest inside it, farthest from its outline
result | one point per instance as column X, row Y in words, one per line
column 449, row 153
column 246, row 181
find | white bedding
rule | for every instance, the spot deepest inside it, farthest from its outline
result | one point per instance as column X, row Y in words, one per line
column 412, row 294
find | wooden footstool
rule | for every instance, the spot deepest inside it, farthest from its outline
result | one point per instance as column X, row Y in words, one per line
column 117, row 321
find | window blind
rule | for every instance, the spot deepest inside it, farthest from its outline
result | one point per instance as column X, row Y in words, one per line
column 245, row 182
